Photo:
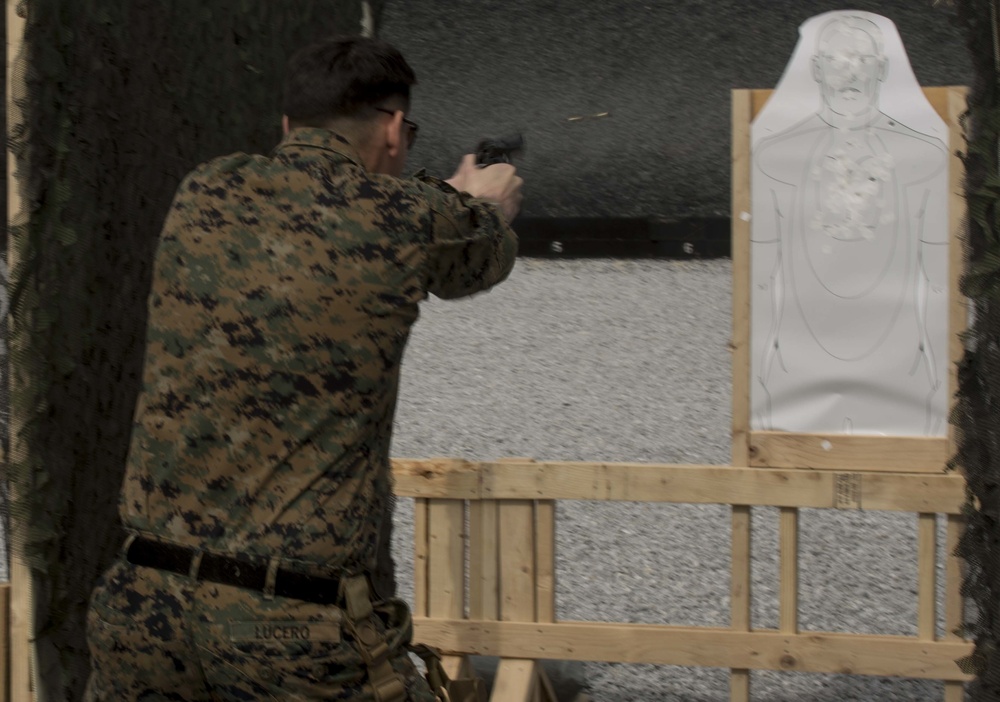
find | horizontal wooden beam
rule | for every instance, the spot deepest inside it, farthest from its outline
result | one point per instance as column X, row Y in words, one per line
column 895, row 454
column 695, row 484
column 807, row 652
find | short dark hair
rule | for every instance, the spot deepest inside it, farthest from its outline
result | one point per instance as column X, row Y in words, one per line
column 341, row 76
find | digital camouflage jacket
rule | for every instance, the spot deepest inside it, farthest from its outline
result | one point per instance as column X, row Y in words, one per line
column 283, row 294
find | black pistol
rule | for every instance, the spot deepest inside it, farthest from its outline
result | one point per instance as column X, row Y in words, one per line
column 498, row 150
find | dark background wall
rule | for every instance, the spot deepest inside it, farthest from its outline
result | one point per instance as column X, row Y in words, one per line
column 663, row 72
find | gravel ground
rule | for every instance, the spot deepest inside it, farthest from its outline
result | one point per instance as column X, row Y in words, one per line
column 608, row 360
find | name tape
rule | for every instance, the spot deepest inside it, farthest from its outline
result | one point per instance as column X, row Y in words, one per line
column 281, row 631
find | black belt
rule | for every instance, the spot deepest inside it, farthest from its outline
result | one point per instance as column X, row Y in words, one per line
column 237, row 572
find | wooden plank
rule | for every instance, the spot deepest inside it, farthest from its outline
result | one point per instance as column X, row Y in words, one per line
column 760, row 96
column 739, row 685
column 953, row 601
column 484, row 572
column 421, row 545
column 912, row 493
column 927, row 577
column 446, row 558
column 954, row 614
column 515, row 681
column 939, row 98
column 457, row 667
column 740, row 571
column 713, row 484
column 436, row 477
column 739, row 595
column 788, row 596
column 954, row 691
column 545, row 561
column 813, row 652
column 517, row 561
column 740, row 342
column 902, row 454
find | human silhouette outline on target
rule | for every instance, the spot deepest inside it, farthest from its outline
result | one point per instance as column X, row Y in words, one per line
column 849, row 247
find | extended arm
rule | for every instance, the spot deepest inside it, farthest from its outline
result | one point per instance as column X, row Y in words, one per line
column 472, row 245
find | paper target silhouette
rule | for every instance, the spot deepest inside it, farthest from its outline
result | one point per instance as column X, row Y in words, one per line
column 849, row 240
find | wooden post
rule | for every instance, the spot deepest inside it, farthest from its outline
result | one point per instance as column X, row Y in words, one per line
column 420, row 545
column 927, row 577
column 526, row 532
column 953, row 601
column 446, row 559
column 484, row 566
column 739, row 680
column 789, row 566
column 446, row 569
column 21, row 607
column 516, row 678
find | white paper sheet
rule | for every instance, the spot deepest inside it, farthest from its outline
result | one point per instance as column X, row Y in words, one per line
column 849, row 230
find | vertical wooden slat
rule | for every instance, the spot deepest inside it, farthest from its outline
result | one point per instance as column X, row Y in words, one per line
column 740, row 342
column 516, row 680
column 21, row 607
column 421, row 538
column 446, row 569
column 953, row 602
column 484, row 585
column 446, row 559
column 517, row 561
column 789, row 570
column 545, row 561
column 927, row 576
column 739, row 680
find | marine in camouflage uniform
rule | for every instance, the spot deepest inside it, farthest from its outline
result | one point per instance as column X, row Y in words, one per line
column 258, row 476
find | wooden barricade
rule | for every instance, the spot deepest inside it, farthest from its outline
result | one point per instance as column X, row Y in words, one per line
column 509, row 548
column 904, row 455
column 503, row 512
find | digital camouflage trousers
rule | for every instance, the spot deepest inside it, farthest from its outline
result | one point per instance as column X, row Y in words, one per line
column 156, row 636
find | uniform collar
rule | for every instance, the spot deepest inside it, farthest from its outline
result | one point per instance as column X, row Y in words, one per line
column 322, row 139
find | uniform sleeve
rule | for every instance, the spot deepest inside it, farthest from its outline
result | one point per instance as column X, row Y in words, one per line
column 472, row 248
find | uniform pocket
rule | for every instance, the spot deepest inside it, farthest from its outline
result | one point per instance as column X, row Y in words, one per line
column 275, row 655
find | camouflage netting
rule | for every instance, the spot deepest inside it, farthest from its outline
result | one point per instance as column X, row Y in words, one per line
column 978, row 412
column 123, row 98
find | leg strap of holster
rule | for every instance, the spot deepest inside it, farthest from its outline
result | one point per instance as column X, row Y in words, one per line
column 436, row 677
column 471, row 689
column 385, row 682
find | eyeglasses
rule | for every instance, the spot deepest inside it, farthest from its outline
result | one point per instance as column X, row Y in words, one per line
column 411, row 135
